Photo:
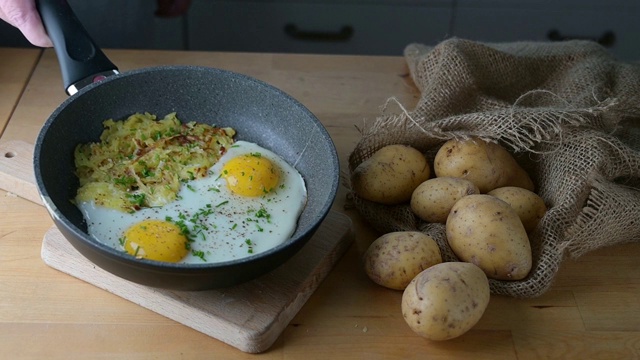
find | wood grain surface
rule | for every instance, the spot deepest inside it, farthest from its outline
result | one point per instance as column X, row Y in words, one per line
column 250, row 316
column 16, row 66
column 16, row 170
column 591, row 312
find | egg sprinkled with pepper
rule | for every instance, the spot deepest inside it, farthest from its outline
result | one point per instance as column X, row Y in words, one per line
column 249, row 202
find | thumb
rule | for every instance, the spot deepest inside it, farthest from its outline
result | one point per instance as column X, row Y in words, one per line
column 23, row 15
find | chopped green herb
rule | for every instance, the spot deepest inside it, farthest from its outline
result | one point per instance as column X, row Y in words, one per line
column 251, row 244
column 136, row 199
column 262, row 213
column 199, row 253
column 125, row 181
column 147, row 173
column 184, row 230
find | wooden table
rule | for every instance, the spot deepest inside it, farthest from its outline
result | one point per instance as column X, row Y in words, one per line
column 592, row 311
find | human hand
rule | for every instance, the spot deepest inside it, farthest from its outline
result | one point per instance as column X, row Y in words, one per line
column 23, row 15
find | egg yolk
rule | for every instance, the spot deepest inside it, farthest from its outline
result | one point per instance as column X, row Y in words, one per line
column 156, row 240
column 250, row 175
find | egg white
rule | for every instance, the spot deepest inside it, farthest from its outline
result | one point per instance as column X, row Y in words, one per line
column 223, row 226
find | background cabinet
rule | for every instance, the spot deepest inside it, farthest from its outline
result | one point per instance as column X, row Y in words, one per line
column 614, row 24
column 343, row 27
column 373, row 27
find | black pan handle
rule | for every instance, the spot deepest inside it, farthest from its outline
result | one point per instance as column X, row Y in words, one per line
column 81, row 60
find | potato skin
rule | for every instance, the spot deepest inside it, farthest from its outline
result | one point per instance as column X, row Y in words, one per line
column 486, row 164
column 528, row 205
column 390, row 175
column 394, row 259
column 486, row 231
column 446, row 300
column 432, row 200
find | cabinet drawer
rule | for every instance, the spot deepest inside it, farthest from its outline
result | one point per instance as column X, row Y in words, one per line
column 314, row 27
column 128, row 24
column 618, row 30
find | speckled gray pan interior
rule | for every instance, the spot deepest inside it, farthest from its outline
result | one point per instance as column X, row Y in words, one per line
column 260, row 113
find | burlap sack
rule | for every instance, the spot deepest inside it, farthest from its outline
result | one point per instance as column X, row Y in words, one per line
column 568, row 112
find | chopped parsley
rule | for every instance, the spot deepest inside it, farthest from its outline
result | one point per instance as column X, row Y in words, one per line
column 125, row 181
column 147, row 173
column 263, row 214
column 136, row 199
column 199, row 253
column 250, row 245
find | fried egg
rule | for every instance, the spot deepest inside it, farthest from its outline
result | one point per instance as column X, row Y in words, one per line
column 249, row 202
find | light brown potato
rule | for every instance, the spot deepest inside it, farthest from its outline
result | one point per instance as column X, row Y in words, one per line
column 486, row 164
column 394, row 259
column 432, row 200
column 528, row 205
column 486, row 231
column 446, row 300
column 390, row 175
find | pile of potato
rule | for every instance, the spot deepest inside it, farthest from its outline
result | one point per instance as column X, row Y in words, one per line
column 488, row 205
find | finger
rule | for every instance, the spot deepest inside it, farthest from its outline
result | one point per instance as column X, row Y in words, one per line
column 23, row 15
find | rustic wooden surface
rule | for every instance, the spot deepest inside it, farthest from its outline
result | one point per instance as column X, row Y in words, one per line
column 16, row 66
column 250, row 316
column 592, row 311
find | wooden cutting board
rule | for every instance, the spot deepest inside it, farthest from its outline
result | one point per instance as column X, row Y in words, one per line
column 250, row 316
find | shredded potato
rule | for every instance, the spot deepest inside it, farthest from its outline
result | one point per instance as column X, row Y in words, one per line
column 142, row 162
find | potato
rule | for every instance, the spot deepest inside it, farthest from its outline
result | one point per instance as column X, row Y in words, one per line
column 446, row 300
column 390, row 175
column 394, row 259
column 486, row 231
column 432, row 200
column 486, row 164
column 528, row 205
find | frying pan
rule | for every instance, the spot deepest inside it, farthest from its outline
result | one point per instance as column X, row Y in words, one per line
column 259, row 112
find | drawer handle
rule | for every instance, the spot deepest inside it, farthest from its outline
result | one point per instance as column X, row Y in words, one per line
column 607, row 39
column 344, row 34
column 172, row 8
